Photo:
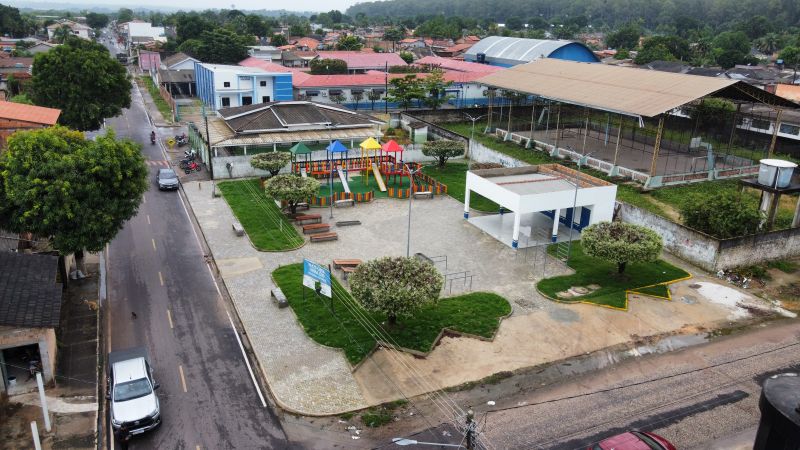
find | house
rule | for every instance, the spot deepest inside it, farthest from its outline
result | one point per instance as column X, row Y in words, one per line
column 41, row 47
column 454, row 50
column 77, row 29
column 17, row 116
column 306, row 44
column 412, row 43
column 360, row 62
column 149, row 61
column 179, row 61
column 179, row 83
column 221, row 86
column 264, row 52
column 19, row 67
column 30, row 311
column 454, row 65
column 290, row 59
column 141, row 32
column 510, row 51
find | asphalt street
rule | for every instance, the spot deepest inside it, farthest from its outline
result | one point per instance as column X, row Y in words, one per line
column 157, row 270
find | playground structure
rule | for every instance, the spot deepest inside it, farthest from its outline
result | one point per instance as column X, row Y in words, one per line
column 384, row 162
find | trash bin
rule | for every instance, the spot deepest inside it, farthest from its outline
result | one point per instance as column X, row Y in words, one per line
column 12, row 381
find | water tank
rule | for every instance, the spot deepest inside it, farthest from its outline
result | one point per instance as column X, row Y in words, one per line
column 481, row 58
column 775, row 172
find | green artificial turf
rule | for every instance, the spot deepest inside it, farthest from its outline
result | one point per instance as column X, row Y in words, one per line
column 335, row 323
column 454, row 175
column 358, row 183
column 265, row 224
column 613, row 287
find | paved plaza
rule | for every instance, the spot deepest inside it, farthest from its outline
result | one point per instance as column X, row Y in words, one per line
column 311, row 379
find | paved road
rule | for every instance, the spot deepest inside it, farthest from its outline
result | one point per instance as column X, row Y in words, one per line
column 157, row 270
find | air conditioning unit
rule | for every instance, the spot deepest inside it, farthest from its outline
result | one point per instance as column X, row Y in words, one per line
column 324, row 93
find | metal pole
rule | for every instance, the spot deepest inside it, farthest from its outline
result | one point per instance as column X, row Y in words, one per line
column 43, row 401
column 330, row 182
column 208, row 145
column 35, row 431
column 410, row 199
column 386, row 89
column 470, row 437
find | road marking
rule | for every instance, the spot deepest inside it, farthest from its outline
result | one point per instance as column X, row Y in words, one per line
column 246, row 361
column 183, row 380
column 169, row 317
column 154, row 244
column 161, row 278
column 197, row 448
column 148, row 219
column 144, row 199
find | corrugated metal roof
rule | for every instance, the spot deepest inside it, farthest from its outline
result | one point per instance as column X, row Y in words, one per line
column 222, row 136
column 622, row 90
column 515, row 49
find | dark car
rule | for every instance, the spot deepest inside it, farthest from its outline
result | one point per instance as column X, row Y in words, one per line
column 167, row 179
column 634, row 440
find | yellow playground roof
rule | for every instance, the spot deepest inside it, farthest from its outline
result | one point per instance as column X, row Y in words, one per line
column 370, row 144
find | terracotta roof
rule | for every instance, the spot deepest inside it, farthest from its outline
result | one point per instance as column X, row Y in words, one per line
column 359, row 60
column 373, row 78
column 29, row 113
column 297, row 76
column 459, row 66
column 14, row 61
column 308, row 42
column 459, row 47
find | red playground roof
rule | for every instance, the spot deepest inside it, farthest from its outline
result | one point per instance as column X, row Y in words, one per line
column 392, row 147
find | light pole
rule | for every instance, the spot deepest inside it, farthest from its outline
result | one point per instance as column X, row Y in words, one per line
column 404, row 442
column 575, row 202
column 472, row 135
column 411, row 174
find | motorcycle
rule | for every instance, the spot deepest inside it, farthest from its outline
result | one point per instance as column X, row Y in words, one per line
column 181, row 140
column 185, row 161
column 192, row 166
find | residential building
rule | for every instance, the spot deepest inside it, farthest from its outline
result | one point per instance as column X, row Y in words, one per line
column 149, row 61
column 41, row 47
column 19, row 67
column 412, row 43
column 454, row 65
column 307, row 44
column 454, row 51
column 30, row 311
column 265, row 52
column 361, row 62
column 221, row 86
column 140, row 32
column 179, row 61
column 18, row 117
column 77, row 29
column 510, row 51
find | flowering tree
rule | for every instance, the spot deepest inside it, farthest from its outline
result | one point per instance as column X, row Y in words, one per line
column 272, row 162
column 395, row 286
column 621, row 243
column 291, row 188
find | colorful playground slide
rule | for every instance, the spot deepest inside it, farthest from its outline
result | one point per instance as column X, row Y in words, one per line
column 343, row 180
column 303, row 172
column 378, row 177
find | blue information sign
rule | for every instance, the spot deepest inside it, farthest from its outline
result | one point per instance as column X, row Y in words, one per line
column 313, row 273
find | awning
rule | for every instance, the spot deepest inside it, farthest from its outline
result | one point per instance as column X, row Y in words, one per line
column 370, row 144
column 356, row 91
column 300, row 149
column 336, row 147
column 392, row 147
column 334, row 91
column 312, row 92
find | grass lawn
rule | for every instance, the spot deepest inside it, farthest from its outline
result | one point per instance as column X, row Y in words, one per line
column 267, row 227
column 163, row 107
column 589, row 270
column 477, row 313
column 454, row 175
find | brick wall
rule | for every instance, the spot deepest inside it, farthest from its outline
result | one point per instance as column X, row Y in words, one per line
column 9, row 127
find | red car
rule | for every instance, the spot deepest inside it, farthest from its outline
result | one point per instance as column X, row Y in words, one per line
column 634, row 440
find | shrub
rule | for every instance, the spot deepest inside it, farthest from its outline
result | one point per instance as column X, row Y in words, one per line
column 272, row 162
column 621, row 243
column 723, row 215
column 443, row 150
column 291, row 188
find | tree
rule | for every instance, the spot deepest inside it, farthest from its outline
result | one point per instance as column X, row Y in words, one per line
column 124, row 15
column 337, row 98
column 395, row 286
column 435, row 86
column 357, row 97
column 723, row 215
column 373, row 96
column 222, row 46
column 79, row 192
column 731, row 48
column 626, row 37
column 349, row 43
column 768, row 44
column 394, row 35
column 190, row 26
column 61, row 34
column 11, row 23
column 328, row 66
column 654, row 53
column 291, row 189
column 278, row 40
column 405, row 90
column 790, row 56
column 272, row 162
column 21, row 98
column 443, row 150
column 514, row 23
column 621, row 243
column 191, row 47
column 408, row 57
column 60, row 81
column 96, row 20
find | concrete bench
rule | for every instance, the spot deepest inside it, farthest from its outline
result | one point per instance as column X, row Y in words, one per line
column 348, row 223
column 342, row 263
column 423, row 194
column 279, row 298
column 312, row 218
column 238, row 229
column 345, row 202
column 321, row 237
column 316, row 228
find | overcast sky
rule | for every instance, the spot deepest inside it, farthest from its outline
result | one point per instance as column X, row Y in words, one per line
column 289, row 5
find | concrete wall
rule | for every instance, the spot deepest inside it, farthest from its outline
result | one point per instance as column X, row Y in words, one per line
column 758, row 248
column 11, row 337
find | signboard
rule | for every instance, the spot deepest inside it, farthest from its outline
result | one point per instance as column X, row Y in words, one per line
column 313, row 273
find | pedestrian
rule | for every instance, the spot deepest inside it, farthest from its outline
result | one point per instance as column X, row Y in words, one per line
column 133, row 315
column 123, row 436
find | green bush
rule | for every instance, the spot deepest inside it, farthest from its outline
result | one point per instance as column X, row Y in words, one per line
column 722, row 215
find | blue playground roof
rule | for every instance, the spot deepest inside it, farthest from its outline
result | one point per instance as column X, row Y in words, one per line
column 336, row 147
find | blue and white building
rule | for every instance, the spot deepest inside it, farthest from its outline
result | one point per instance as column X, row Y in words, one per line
column 221, row 86
column 510, row 51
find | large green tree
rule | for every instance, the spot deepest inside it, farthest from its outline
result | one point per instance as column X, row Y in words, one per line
column 723, row 215
column 79, row 192
column 395, row 286
column 404, row 91
column 272, row 162
column 96, row 20
column 11, row 23
column 124, row 15
column 349, row 43
column 626, row 37
column 443, row 150
column 731, row 48
column 434, row 86
column 222, row 46
column 291, row 189
column 621, row 243
column 328, row 66
column 82, row 80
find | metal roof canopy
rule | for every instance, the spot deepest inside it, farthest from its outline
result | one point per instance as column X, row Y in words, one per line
column 621, row 90
column 300, row 149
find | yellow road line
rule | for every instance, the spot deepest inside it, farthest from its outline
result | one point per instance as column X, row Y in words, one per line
column 169, row 318
column 161, row 278
column 183, row 379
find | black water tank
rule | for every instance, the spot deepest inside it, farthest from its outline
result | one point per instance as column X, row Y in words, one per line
column 481, row 57
column 779, row 428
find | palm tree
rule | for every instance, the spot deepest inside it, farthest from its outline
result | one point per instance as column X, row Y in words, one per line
column 768, row 44
column 61, row 33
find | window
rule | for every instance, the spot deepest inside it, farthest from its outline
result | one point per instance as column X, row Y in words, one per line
column 226, row 101
column 312, row 93
column 760, row 124
column 226, row 84
column 263, row 83
column 265, row 99
column 790, row 129
column 247, row 101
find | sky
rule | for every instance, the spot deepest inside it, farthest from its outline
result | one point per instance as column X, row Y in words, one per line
column 289, row 5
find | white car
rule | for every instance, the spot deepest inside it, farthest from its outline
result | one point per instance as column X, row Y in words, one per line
column 131, row 391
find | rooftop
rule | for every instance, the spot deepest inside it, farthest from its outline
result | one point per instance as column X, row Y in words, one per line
column 459, row 66
column 235, row 69
column 29, row 113
column 176, row 58
column 517, row 49
column 29, row 294
column 284, row 116
column 360, row 60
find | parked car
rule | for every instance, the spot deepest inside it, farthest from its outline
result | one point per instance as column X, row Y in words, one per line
column 634, row 440
column 167, row 179
column 132, row 391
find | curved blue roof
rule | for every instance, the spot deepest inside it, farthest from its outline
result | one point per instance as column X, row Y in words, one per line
column 510, row 51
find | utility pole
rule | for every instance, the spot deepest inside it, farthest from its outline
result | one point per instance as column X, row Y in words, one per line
column 386, row 89
column 470, row 437
column 208, row 145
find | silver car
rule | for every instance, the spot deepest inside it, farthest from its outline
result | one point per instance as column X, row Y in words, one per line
column 167, row 179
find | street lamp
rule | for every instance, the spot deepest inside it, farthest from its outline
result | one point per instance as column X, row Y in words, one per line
column 404, row 442
column 575, row 202
column 472, row 135
column 411, row 174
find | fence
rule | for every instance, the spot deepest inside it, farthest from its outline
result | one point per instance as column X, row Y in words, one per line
column 170, row 101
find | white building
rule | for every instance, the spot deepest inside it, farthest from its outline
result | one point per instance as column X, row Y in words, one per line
column 221, row 86
column 266, row 53
column 78, row 29
column 140, row 31
column 539, row 203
